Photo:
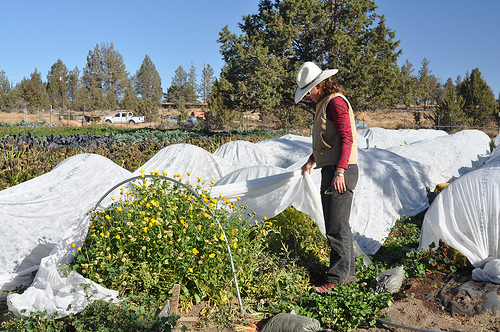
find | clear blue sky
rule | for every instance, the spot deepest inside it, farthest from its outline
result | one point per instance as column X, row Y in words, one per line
column 456, row 36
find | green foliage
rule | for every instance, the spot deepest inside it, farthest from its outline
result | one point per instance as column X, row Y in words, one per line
column 133, row 313
column 149, row 108
column 182, row 87
column 450, row 110
column 7, row 94
column 260, row 64
column 130, row 100
column 33, row 92
column 219, row 115
column 346, row 308
column 480, row 105
column 207, row 81
column 104, row 77
column 159, row 233
column 147, row 81
column 407, row 85
column 57, row 84
column 446, row 259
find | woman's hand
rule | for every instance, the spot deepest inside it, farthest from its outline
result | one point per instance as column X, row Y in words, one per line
column 307, row 167
column 338, row 181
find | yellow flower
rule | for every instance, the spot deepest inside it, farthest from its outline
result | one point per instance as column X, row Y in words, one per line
column 113, row 198
column 142, row 171
column 170, row 242
column 108, row 217
column 265, row 218
column 101, row 234
column 199, row 227
column 188, row 173
column 119, row 208
column 235, row 245
column 211, row 255
column 195, row 251
column 145, row 229
column 117, row 237
column 222, row 236
column 207, row 215
column 239, row 199
column 79, row 248
column 164, row 173
column 270, row 223
column 73, row 245
column 190, row 270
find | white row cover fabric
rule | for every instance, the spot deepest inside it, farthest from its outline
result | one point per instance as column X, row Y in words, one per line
column 49, row 213
column 380, row 138
column 466, row 215
column 467, row 149
column 496, row 141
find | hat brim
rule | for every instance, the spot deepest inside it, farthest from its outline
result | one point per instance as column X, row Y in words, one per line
column 301, row 92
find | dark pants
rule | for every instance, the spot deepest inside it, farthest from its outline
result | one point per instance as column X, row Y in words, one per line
column 337, row 210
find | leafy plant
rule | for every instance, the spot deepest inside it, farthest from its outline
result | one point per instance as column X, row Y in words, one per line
column 346, row 308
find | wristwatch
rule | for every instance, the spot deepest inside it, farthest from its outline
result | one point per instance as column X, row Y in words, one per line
column 338, row 174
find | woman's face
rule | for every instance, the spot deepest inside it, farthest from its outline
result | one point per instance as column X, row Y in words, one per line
column 315, row 94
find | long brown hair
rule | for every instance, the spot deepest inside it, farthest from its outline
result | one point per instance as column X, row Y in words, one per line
column 330, row 86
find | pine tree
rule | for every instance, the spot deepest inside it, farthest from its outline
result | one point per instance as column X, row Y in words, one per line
column 407, row 85
column 450, row 109
column 130, row 100
column 33, row 91
column 176, row 91
column 147, row 81
column 7, row 93
column 261, row 63
column 104, row 77
column 207, row 82
column 191, row 86
column 480, row 104
column 57, row 81
column 73, row 89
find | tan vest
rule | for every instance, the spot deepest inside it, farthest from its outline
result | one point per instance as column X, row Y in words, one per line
column 326, row 141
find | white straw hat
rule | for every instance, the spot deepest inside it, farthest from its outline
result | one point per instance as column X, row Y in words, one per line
column 308, row 76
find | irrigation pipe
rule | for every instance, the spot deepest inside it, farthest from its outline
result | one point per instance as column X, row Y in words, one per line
column 405, row 327
column 201, row 200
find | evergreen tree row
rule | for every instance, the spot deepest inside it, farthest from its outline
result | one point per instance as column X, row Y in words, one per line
column 104, row 84
column 259, row 70
column 261, row 62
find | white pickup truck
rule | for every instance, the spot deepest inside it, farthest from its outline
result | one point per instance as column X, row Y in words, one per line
column 124, row 117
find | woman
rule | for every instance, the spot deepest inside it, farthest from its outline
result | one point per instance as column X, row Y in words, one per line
column 335, row 152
